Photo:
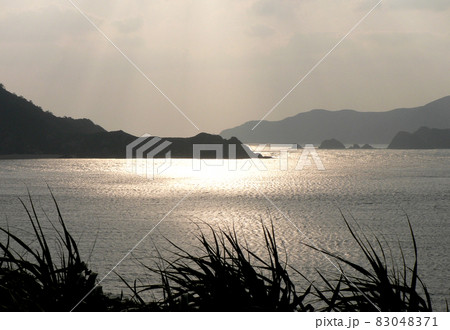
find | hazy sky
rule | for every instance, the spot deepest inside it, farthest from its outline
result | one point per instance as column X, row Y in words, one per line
column 223, row 62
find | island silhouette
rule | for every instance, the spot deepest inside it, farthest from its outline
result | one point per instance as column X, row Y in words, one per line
column 27, row 131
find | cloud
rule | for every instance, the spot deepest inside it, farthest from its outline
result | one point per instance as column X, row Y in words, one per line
column 436, row 5
column 41, row 25
column 281, row 9
column 261, row 31
column 129, row 25
column 222, row 62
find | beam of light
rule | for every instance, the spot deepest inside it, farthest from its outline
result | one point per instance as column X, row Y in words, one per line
column 132, row 63
column 317, row 64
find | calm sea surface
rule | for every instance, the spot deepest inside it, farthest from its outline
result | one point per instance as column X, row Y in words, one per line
column 109, row 209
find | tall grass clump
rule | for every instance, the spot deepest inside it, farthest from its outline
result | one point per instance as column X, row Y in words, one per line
column 33, row 279
column 377, row 285
column 227, row 276
column 223, row 274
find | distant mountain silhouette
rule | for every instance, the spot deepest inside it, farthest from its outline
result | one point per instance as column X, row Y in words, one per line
column 331, row 144
column 26, row 129
column 348, row 126
column 357, row 146
column 424, row 138
column 367, row 146
column 354, row 146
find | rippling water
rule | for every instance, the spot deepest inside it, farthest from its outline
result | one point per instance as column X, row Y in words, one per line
column 109, row 209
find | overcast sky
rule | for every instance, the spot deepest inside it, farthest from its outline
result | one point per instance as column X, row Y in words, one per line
column 222, row 62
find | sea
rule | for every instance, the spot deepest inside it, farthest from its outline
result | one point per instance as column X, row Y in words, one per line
column 125, row 213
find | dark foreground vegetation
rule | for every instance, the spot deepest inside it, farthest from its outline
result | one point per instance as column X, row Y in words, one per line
column 225, row 276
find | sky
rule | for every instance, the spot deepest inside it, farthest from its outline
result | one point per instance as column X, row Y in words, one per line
column 221, row 62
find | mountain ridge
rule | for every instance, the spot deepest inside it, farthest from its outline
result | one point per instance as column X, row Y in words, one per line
column 26, row 129
column 347, row 125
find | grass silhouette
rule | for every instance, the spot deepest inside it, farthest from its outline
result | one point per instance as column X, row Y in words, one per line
column 226, row 275
column 34, row 279
column 380, row 286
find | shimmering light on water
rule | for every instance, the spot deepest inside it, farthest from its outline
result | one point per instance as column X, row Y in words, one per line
column 104, row 203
